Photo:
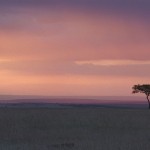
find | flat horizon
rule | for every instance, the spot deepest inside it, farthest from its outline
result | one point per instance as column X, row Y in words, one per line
column 73, row 99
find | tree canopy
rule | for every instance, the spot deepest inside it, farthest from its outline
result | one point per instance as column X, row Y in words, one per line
column 144, row 88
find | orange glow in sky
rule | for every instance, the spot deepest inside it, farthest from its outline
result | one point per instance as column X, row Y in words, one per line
column 73, row 48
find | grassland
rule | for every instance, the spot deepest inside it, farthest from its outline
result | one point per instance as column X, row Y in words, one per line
column 76, row 129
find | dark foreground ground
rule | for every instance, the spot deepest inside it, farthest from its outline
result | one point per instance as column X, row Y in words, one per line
column 74, row 129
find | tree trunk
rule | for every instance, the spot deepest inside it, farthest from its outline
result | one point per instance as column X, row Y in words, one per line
column 148, row 101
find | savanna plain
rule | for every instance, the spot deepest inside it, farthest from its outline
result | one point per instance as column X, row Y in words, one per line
column 74, row 128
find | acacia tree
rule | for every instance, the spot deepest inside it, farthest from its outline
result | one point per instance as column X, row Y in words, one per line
column 144, row 88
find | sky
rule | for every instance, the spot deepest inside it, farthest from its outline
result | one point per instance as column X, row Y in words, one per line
column 74, row 47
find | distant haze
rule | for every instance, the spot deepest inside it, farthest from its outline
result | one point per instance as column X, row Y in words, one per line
column 74, row 48
column 72, row 99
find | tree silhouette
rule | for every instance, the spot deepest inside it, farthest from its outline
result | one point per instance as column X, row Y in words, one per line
column 144, row 88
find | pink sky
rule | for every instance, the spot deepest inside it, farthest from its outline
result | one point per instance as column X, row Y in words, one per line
column 73, row 48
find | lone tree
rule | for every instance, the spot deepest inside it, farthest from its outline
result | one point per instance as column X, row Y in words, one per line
column 145, row 88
